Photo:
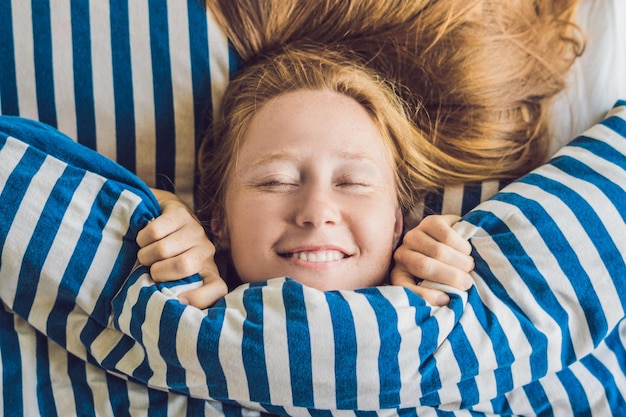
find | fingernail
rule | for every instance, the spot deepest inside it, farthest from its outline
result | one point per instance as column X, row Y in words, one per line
column 183, row 300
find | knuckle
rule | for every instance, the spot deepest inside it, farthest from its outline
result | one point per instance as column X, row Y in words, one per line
column 155, row 273
column 440, row 252
column 161, row 249
column 422, row 267
column 142, row 257
column 399, row 255
column 210, row 249
column 152, row 232
column 220, row 287
column 433, row 222
column 412, row 235
column 434, row 250
column 185, row 266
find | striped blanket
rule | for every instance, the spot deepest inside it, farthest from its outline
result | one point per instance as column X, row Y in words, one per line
column 85, row 331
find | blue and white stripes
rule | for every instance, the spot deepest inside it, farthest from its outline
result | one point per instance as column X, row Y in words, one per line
column 60, row 220
column 67, row 246
column 83, row 333
column 541, row 332
column 532, row 335
column 134, row 80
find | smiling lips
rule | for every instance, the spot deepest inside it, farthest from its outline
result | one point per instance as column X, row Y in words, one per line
column 318, row 256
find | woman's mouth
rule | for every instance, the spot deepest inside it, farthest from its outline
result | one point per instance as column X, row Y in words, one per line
column 317, row 256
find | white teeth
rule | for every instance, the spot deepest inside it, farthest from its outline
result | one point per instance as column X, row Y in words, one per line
column 319, row 256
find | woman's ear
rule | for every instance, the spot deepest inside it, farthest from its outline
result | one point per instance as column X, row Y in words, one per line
column 398, row 227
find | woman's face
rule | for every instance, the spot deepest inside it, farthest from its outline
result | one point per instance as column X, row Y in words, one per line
column 312, row 195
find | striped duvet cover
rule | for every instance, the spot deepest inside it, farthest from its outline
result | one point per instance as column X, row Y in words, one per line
column 86, row 332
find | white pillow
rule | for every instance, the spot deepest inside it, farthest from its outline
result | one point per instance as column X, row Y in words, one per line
column 598, row 77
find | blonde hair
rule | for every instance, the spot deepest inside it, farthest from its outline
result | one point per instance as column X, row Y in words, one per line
column 417, row 162
column 476, row 76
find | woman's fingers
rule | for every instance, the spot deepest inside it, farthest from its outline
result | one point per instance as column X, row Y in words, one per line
column 438, row 264
column 205, row 296
column 432, row 296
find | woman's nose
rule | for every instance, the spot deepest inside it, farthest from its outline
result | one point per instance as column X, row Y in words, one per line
column 317, row 207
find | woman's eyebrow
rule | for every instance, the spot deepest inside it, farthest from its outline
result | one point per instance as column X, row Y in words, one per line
column 271, row 157
column 356, row 156
column 285, row 156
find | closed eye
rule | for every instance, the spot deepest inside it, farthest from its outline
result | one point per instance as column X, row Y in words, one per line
column 353, row 184
column 352, row 181
column 277, row 185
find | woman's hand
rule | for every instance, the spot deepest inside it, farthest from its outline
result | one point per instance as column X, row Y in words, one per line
column 175, row 246
column 433, row 251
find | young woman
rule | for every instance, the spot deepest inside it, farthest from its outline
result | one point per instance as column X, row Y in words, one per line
column 473, row 80
column 308, row 173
